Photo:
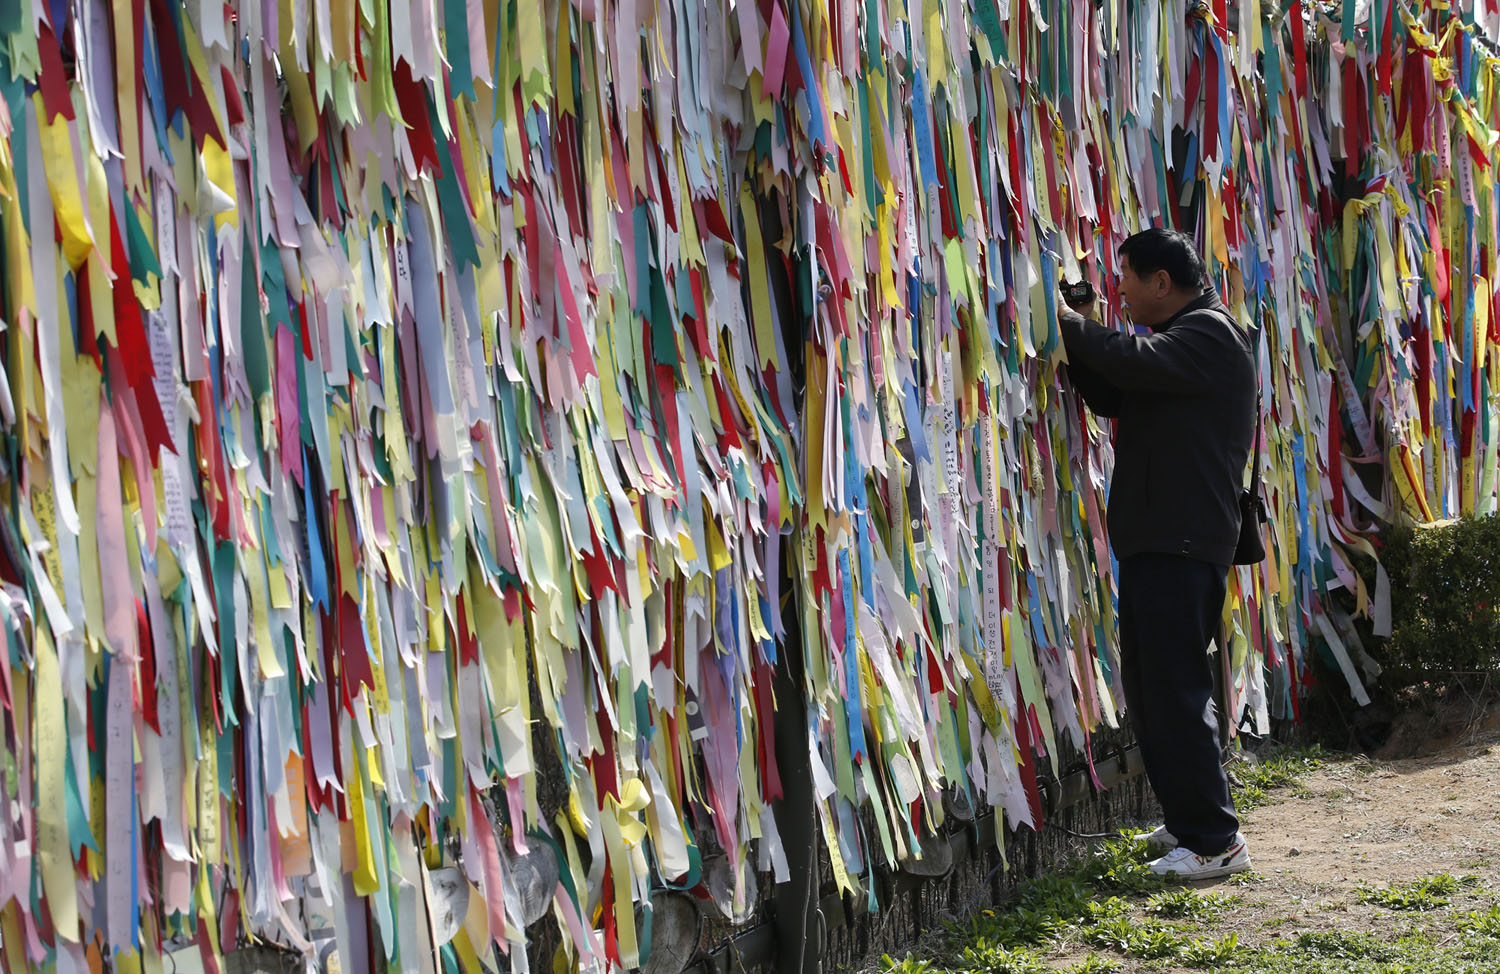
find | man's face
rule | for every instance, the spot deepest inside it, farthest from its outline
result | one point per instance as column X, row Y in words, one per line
column 1143, row 296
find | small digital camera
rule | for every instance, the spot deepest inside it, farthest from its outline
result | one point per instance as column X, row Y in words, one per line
column 1078, row 293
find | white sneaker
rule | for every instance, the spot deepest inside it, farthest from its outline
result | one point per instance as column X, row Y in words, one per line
column 1186, row 864
column 1158, row 839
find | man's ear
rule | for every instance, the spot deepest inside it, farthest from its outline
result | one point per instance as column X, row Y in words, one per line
column 1163, row 282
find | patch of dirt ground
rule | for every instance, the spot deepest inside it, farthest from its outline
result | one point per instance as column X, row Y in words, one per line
column 1376, row 823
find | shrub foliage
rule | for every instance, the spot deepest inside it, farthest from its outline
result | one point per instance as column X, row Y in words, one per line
column 1445, row 600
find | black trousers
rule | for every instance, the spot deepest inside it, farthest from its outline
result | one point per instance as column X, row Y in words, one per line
column 1170, row 607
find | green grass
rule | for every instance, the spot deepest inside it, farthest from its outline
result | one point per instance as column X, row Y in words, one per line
column 1346, row 952
column 1146, row 939
column 1107, row 909
column 906, row 965
column 1112, row 932
column 1211, row 954
column 994, row 958
column 1282, row 770
column 1341, row 945
column 1259, row 782
column 1064, row 894
column 1428, row 893
column 1187, row 904
column 1484, row 923
column 1120, row 866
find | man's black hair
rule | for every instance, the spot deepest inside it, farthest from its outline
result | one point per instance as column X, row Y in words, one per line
column 1173, row 251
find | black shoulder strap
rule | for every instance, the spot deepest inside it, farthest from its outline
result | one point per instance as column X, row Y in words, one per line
column 1255, row 464
column 1255, row 354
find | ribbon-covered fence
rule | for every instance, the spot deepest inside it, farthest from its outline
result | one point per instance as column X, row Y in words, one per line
column 400, row 396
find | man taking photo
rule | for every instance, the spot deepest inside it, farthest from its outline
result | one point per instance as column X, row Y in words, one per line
column 1185, row 399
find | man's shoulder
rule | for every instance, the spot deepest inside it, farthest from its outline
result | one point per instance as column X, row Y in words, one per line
column 1214, row 313
column 1216, row 319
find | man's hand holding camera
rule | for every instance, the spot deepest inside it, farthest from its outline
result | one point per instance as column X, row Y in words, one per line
column 1079, row 297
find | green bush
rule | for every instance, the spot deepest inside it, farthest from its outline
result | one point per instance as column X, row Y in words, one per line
column 1445, row 601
